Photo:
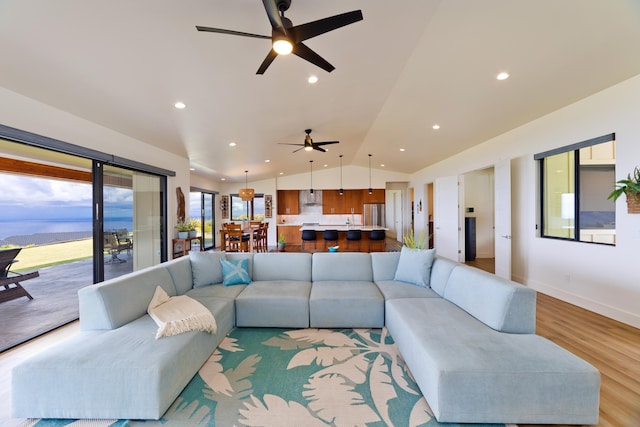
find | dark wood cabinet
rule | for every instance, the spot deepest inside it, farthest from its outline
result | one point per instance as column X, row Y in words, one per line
column 292, row 234
column 332, row 202
column 353, row 202
column 288, row 202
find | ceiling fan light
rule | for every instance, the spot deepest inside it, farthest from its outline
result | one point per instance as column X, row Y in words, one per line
column 308, row 148
column 282, row 46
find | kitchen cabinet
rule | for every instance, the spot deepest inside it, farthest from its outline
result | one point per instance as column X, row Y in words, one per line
column 378, row 195
column 332, row 202
column 292, row 234
column 288, row 202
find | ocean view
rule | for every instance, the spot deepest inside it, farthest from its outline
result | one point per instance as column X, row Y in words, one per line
column 25, row 227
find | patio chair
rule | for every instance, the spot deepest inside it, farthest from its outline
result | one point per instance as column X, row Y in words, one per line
column 111, row 245
column 124, row 239
column 10, row 287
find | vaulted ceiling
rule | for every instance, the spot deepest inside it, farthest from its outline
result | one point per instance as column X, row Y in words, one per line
column 407, row 66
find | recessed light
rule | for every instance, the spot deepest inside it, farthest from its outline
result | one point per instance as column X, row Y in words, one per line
column 326, row 165
column 281, row 173
column 192, row 169
column 313, row 79
column 180, row 105
column 232, row 144
column 267, row 161
column 381, row 165
column 402, row 149
column 502, row 76
column 223, row 179
column 435, row 127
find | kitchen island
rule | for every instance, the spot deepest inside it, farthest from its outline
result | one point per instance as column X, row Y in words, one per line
column 364, row 245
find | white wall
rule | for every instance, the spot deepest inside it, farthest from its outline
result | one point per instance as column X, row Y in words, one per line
column 353, row 177
column 600, row 278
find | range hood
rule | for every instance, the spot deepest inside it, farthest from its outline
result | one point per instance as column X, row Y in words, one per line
column 309, row 199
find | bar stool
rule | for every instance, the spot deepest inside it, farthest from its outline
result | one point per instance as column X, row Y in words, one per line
column 330, row 236
column 308, row 236
column 377, row 236
column 354, row 236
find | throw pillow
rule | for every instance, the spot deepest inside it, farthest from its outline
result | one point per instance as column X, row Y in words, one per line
column 235, row 272
column 205, row 268
column 175, row 315
column 414, row 266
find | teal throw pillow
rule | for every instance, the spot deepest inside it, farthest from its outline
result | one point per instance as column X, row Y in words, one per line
column 235, row 272
column 414, row 266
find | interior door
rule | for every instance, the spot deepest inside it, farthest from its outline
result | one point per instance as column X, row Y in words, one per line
column 446, row 221
column 502, row 187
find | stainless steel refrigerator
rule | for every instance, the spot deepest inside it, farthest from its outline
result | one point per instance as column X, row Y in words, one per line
column 374, row 215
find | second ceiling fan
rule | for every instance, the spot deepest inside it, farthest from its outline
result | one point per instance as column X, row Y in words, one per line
column 309, row 145
column 287, row 38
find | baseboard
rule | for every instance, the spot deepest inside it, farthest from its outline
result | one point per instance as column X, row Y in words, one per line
column 580, row 301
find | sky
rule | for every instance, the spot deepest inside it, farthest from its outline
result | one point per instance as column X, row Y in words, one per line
column 27, row 197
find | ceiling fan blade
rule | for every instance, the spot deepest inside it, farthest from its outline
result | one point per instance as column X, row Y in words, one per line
column 301, row 50
column 301, row 148
column 288, row 143
column 274, row 14
column 311, row 29
column 326, row 143
column 315, row 147
column 267, row 61
column 231, row 32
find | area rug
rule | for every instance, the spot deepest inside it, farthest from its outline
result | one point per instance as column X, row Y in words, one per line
column 303, row 377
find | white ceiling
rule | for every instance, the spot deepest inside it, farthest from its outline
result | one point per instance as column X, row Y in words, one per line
column 406, row 66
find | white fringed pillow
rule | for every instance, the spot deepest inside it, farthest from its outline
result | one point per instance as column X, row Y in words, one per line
column 175, row 315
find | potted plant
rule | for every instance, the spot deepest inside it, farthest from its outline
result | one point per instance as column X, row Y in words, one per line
column 183, row 229
column 410, row 240
column 193, row 227
column 281, row 243
column 631, row 188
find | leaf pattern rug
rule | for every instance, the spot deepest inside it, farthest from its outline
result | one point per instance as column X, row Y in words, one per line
column 302, row 377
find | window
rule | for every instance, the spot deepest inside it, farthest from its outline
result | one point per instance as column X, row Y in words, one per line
column 575, row 182
column 252, row 210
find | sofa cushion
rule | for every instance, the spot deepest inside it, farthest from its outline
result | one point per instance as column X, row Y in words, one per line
column 384, row 265
column 124, row 373
column 414, row 266
column 275, row 304
column 341, row 266
column 440, row 271
column 499, row 303
column 118, row 301
column 474, row 374
column 217, row 291
column 235, row 272
column 181, row 273
column 392, row 289
column 282, row 266
column 206, row 268
column 346, row 304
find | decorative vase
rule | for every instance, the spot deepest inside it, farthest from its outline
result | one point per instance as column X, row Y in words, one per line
column 193, row 233
column 183, row 234
column 281, row 247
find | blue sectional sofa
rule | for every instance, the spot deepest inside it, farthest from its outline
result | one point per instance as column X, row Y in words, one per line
column 468, row 337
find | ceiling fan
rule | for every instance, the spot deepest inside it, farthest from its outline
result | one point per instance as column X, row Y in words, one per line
column 287, row 38
column 309, row 145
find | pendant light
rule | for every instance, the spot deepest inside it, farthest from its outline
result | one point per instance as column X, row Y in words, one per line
column 311, row 176
column 246, row 194
column 370, row 189
column 341, row 190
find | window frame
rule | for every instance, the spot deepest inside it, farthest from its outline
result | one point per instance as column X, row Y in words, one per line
column 575, row 148
column 250, row 206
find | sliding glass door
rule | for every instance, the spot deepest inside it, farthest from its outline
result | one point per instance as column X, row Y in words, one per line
column 201, row 213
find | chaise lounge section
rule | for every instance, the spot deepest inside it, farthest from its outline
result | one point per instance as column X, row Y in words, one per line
column 468, row 337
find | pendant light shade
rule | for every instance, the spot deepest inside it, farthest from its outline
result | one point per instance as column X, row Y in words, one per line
column 341, row 190
column 311, row 176
column 370, row 189
column 246, row 194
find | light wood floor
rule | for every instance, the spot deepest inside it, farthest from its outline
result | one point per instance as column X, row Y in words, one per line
column 612, row 347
